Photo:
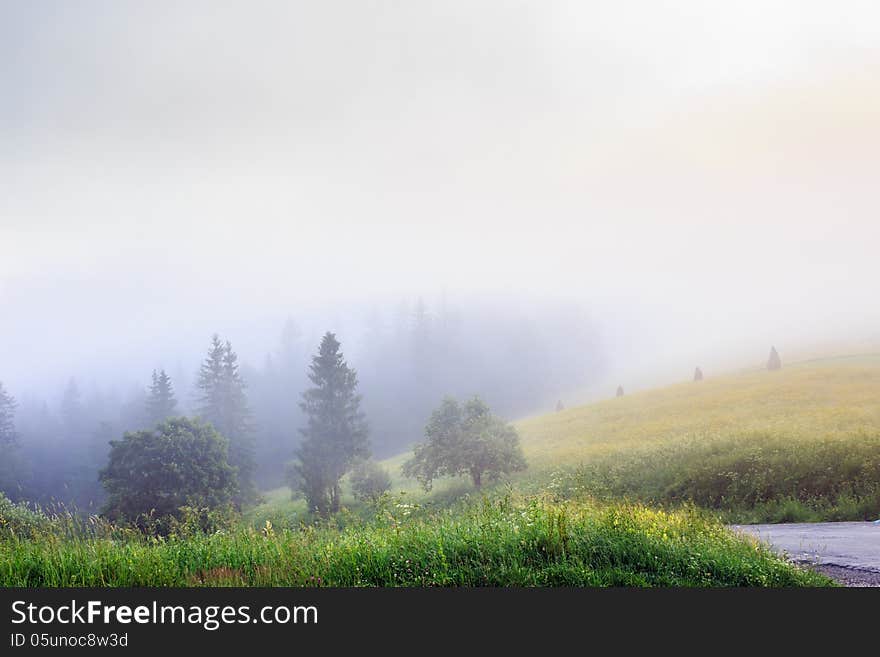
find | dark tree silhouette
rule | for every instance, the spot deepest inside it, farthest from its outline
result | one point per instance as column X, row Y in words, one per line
column 620, row 391
column 560, row 406
column 698, row 374
column 774, row 362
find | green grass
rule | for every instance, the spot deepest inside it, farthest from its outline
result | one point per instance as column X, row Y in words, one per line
column 748, row 478
column 508, row 541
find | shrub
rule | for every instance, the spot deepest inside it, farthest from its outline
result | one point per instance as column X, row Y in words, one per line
column 151, row 475
column 17, row 520
column 369, row 480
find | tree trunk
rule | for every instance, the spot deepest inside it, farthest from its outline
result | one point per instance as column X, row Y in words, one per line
column 334, row 498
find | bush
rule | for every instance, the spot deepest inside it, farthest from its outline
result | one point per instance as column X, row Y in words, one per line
column 369, row 481
column 152, row 475
column 17, row 520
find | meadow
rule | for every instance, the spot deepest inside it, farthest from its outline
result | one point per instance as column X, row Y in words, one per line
column 805, row 438
column 833, row 398
column 799, row 444
column 629, row 491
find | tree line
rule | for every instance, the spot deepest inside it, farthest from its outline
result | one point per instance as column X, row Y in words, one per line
column 207, row 461
column 408, row 358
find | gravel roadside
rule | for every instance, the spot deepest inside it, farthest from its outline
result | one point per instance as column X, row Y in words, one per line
column 851, row 577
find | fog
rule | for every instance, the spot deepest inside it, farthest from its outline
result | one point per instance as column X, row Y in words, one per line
column 591, row 193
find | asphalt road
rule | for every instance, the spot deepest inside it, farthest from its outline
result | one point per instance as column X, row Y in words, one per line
column 842, row 547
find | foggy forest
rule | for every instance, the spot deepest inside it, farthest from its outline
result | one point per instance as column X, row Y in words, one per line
column 465, row 293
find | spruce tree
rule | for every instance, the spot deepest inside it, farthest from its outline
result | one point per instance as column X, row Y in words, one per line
column 223, row 402
column 211, row 383
column 7, row 417
column 620, row 391
column 72, row 411
column 336, row 434
column 774, row 362
column 698, row 374
column 161, row 402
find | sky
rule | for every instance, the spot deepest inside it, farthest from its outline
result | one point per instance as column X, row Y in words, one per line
column 699, row 176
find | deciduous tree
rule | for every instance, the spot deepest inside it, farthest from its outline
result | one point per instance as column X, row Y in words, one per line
column 181, row 462
column 465, row 440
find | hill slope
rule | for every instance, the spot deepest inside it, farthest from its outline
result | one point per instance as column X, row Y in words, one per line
column 801, row 443
column 828, row 398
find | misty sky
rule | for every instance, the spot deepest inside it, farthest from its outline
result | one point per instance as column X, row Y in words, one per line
column 700, row 176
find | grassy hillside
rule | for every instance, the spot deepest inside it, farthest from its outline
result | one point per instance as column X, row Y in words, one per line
column 798, row 444
column 802, row 443
column 829, row 398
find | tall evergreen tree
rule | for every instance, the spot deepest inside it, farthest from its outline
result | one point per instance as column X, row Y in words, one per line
column 223, row 403
column 336, row 434
column 72, row 412
column 291, row 335
column 161, row 402
column 7, row 417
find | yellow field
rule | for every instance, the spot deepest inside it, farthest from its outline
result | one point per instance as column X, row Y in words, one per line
column 826, row 398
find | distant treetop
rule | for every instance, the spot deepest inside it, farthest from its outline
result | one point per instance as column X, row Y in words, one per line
column 7, row 417
column 161, row 402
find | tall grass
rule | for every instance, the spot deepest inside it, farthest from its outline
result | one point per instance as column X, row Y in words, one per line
column 755, row 477
column 510, row 541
